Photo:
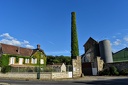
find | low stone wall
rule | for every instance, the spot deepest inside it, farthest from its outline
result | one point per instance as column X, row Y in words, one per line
column 43, row 76
column 119, row 65
column 61, row 75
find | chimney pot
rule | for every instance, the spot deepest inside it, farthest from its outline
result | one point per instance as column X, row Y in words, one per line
column 38, row 46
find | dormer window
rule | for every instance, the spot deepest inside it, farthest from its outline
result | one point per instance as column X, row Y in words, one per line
column 18, row 50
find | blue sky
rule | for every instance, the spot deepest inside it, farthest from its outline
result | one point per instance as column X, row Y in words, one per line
column 27, row 23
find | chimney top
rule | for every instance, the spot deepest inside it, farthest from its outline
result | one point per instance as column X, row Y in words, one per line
column 38, row 46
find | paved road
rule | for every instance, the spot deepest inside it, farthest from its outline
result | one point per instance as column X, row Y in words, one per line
column 81, row 81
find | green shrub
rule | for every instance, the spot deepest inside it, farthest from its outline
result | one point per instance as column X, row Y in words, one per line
column 5, row 69
column 113, row 70
column 105, row 72
column 124, row 72
column 116, row 73
column 109, row 71
column 4, row 60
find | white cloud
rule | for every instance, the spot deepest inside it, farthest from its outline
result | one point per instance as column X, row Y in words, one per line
column 16, row 42
column 25, row 42
column 6, row 36
column 117, row 42
column 10, row 42
column 7, row 39
column 29, row 46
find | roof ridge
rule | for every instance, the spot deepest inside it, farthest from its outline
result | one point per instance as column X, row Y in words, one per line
column 15, row 46
column 121, row 50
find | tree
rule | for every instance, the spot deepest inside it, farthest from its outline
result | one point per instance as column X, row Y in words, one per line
column 58, row 59
column 74, row 40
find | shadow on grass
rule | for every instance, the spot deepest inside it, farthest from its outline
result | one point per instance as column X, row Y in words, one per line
column 105, row 82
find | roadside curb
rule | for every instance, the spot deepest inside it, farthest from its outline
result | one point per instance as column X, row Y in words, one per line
column 4, row 84
column 84, row 78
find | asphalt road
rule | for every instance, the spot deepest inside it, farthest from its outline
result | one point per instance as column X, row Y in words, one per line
column 66, row 82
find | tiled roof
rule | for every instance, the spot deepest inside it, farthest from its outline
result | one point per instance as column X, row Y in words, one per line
column 15, row 50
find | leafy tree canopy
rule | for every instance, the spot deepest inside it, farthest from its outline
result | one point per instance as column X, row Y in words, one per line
column 58, row 59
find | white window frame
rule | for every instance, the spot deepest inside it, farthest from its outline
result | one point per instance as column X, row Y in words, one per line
column 41, row 61
column 27, row 60
column 34, row 60
column 12, row 60
column 20, row 61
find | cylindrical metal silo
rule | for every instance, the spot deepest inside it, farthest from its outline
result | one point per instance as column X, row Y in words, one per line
column 105, row 51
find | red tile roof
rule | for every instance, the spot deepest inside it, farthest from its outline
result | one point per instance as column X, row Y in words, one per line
column 15, row 50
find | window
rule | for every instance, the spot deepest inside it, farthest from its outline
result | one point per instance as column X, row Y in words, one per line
column 26, row 60
column 20, row 61
column 12, row 60
column 41, row 61
column 34, row 61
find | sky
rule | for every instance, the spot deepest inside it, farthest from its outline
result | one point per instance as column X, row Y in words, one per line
column 27, row 23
